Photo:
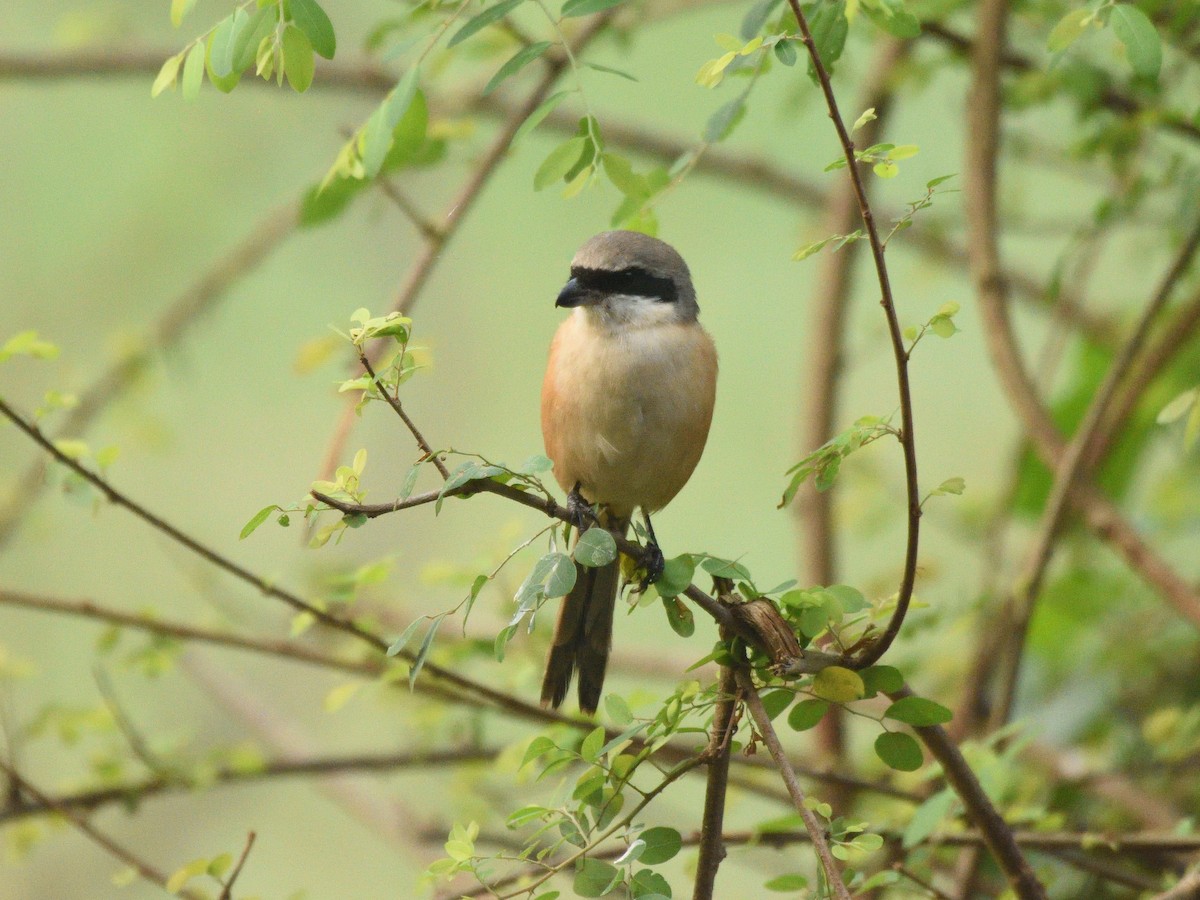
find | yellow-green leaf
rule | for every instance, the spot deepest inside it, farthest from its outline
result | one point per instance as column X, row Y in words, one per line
column 838, row 685
column 166, row 75
column 298, row 62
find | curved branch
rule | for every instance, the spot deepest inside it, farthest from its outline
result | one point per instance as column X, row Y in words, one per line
column 879, row 646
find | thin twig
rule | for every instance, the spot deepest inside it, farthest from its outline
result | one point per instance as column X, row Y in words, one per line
column 118, row 498
column 398, row 408
column 227, row 890
column 1172, row 338
column 815, row 831
column 137, row 743
column 824, row 371
column 136, row 792
column 880, row 645
column 143, row 868
column 435, row 241
column 720, row 746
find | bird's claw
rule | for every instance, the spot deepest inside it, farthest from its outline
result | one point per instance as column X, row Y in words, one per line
column 580, row 511
column 653, row 564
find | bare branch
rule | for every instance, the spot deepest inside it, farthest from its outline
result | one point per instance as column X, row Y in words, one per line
column 143, row 868
column 720, row 745
column 816, row 832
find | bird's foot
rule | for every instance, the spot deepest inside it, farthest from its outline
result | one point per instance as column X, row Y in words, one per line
column 580, row 511
column 652, row 563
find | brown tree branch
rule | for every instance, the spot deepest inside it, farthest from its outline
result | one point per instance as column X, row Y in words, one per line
column 816, row 831
column 98, row 837
column 265, row 587
column 720, row 746
column 227, row 890
column 875, row 650
column 996, row 834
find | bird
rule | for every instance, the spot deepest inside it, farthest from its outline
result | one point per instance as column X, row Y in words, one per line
column 626, row 406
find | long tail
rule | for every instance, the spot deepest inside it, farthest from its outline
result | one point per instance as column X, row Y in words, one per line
column 583, row 636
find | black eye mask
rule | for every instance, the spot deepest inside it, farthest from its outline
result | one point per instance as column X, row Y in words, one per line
column 633, row 281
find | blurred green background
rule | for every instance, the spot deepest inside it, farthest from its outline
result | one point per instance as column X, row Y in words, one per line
column 115, row 203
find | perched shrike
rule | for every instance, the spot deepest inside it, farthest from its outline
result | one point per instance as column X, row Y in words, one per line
column 626, row 405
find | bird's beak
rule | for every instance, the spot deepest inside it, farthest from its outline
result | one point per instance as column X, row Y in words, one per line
column 574, row 294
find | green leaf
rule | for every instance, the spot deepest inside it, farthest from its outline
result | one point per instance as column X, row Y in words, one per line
column 899, row 751
column 193, row 72
column 539, row 114
column 562, row 159
column 257, row 519
column 867, row 116
column 1069, row 29
column 298, row 63
column 829, row 29
column 516, row 63
column 886, row 169
column 183, row 875
column 787, row 883
column 776, row 702
column 926, row 817
column 809, row 249
column 1172, row 412
column 951, row 486
column 807, row 713
column 219, row 865
column 785, row 52
column 220, row 49
column 405, row 636
column 679, row 617
column 894, row 19
column 617, row 710
column 721, row 124
column 483, row 20
column 166, row 75
column 676, row 576
column 379, row 132
column 589, row 749
column 312, row 20
column 595, row 878
column 838, row 684
column 561, row 578
column 179, row 9
column 1134, row 29
column 574, row 8
column 918, row 711
column 423, row 651
column 881, row 679
column 661, row 843
column 245, row 47
column 27, row 343
column 609, row 70
column 756, row 18
column 595, row 547
column 647, row 884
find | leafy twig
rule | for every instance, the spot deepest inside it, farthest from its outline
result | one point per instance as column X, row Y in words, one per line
column 879, row 646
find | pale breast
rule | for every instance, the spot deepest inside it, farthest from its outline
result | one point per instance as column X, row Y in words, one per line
column 626, row 413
